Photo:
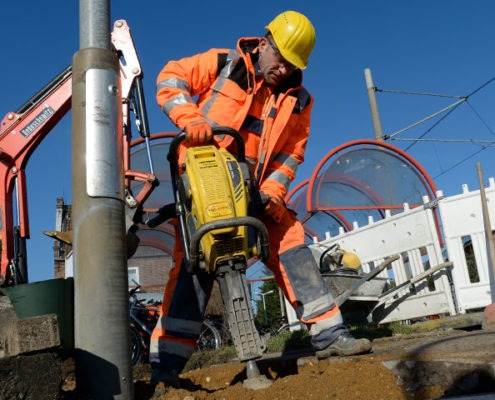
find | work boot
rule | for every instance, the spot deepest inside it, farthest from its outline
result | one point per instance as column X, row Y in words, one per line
column 162, row 380
column 345, row 345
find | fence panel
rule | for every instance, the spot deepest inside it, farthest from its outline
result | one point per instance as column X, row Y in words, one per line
column 465, row 240
column 413, row 235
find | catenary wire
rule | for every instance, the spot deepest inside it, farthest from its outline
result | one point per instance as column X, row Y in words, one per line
column 449, row 109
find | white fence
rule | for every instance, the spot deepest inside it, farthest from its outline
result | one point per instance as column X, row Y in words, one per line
column 425, row 284
column 465, row 239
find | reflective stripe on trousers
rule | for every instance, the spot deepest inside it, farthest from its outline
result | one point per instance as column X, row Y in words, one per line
column 298, row 275
column 184, row 303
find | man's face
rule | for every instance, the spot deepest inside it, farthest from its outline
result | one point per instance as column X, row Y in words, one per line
column 272, row 65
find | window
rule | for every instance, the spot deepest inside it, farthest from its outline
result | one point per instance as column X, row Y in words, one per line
column 133, row 276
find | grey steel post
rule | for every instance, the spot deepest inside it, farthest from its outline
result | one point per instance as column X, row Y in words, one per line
column 377, row 126
column 490, row 246
column 103, row 362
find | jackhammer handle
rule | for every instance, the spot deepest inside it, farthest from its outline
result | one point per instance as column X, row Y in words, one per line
column 173, row 151
column 173, row 156
column 227, row 223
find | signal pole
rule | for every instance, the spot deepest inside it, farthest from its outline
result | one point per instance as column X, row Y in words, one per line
column 101, row 318
column 373, row 105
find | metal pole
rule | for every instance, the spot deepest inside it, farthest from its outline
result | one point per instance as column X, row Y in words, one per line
column 281, row 299
column 264, row 311
column 103, row 362
column 264, row 305
column 490, row 246
column 377, row 126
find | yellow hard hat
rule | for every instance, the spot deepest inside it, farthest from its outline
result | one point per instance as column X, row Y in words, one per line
column 294, row 36
column 351, row 260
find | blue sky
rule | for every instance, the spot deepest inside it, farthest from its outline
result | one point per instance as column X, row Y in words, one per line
column 441, row 47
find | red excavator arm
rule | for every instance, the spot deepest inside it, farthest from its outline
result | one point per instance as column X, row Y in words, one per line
column 23, row 130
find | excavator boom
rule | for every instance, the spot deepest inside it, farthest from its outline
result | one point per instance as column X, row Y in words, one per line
column 22, row 131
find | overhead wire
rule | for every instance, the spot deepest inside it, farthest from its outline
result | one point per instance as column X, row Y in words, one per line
column 448, row 111
column 452, row 107
column 462, row 161
column 418, row 93
column 473, row 141
column 481, row 119
column 438, row 122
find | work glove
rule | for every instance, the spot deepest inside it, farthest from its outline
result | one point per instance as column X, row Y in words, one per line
column 274, row 206
column 198, row 132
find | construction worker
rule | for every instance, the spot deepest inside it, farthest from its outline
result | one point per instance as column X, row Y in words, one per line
column 257, row 90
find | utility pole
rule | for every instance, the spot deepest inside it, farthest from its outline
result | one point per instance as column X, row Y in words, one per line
column 377, row 126
column 101, row 320
column 490, row 246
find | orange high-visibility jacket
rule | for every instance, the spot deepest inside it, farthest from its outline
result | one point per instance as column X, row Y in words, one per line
column 219, row 86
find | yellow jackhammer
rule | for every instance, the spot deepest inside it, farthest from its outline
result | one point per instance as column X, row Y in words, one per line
column 212, row 194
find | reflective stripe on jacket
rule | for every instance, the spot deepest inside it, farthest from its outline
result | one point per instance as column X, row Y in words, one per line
column 219, row 85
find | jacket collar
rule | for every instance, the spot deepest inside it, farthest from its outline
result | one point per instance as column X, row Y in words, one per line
column 248, row 47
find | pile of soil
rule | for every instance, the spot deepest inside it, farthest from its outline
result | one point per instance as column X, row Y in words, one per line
column 352, row 378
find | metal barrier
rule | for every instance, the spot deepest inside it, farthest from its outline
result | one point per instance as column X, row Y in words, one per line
column 418, row 282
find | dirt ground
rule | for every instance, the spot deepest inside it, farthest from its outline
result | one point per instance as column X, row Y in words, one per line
column 357, row 378
column 425, row 366
column 414, row 367
column 350, row 378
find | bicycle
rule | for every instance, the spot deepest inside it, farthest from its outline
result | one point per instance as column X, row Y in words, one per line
column 144, row 317
column 209, row 338
column 278, row 327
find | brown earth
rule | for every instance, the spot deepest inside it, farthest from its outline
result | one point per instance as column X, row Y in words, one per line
column 361, row 379
column 423, row 366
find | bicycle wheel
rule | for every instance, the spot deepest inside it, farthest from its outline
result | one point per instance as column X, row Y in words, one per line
column 284, row 328
column 209, row 338
column 136, row 346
